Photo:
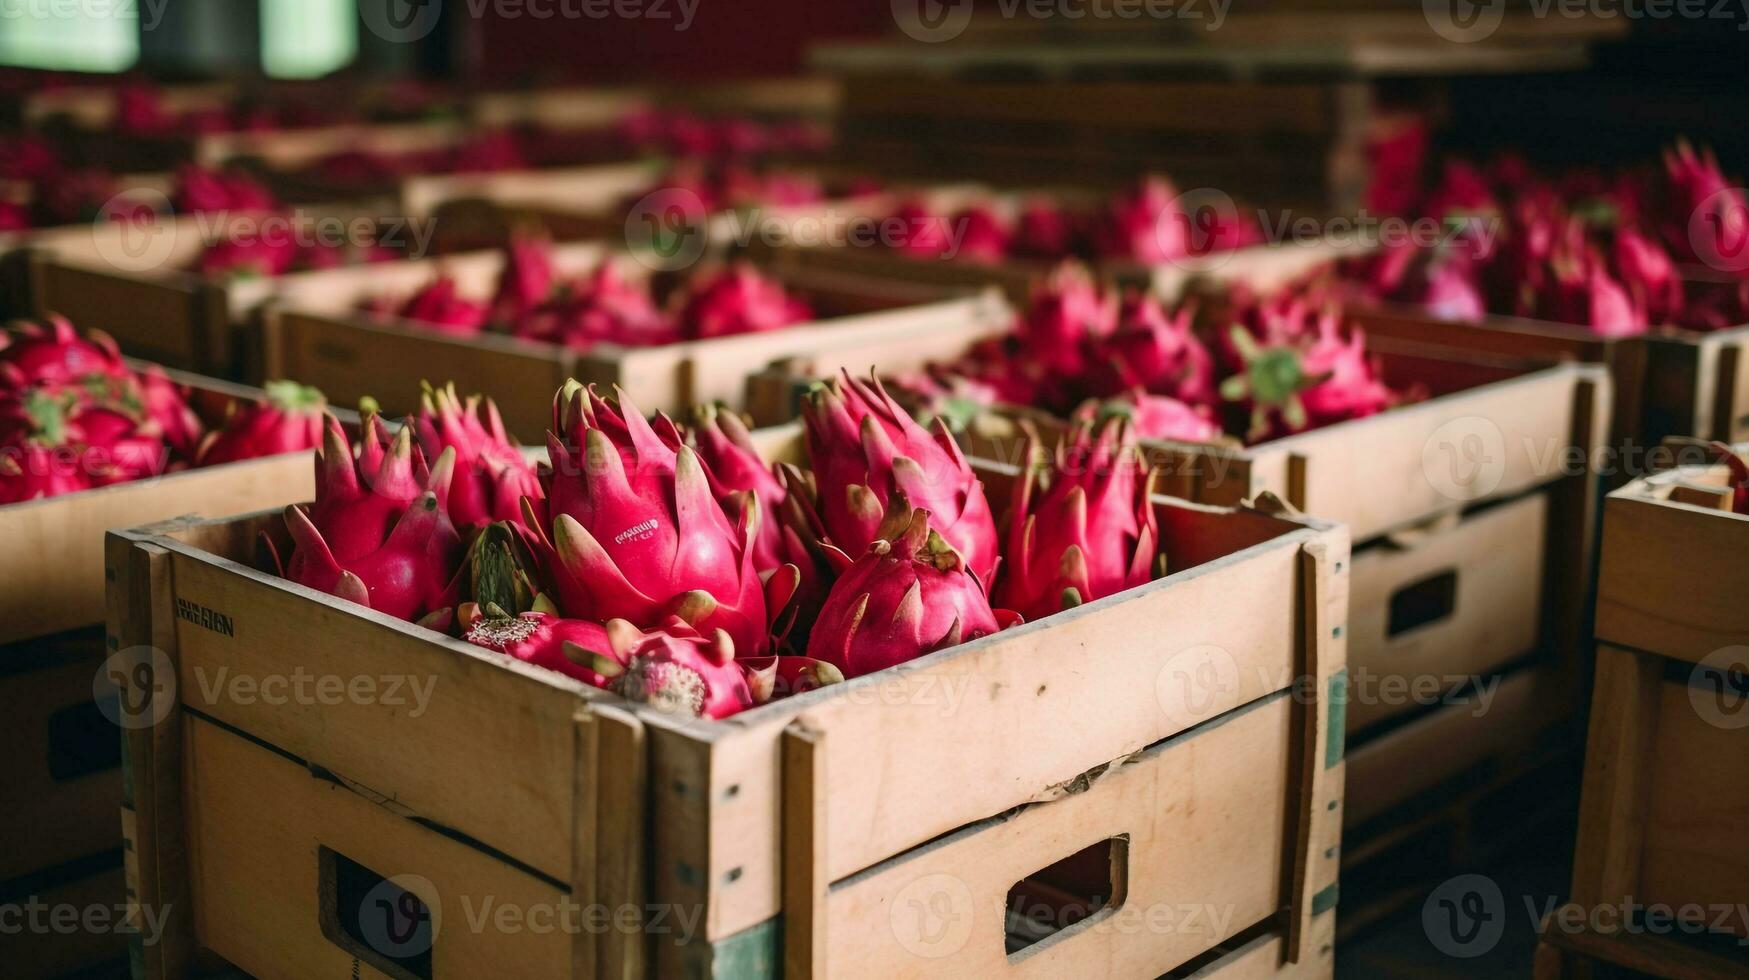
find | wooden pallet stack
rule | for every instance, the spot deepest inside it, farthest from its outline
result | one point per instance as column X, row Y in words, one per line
column 1659, row 883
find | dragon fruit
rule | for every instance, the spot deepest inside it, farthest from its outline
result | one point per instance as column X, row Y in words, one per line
column 916, row 231
column 1649, row 275
column 1302, row 384
column 1044, row 231
column 603, row 307
column 377, row 533
column 910, row 594
column 199, row 190
column 635, row 532
column 984, row 235
column 1083, row 528
column 14, row 217
column 734, row 467
column 1709, row 218
column 166, row 403
column 491, row 476
column 527, row 279
column 678, row 670
column 773, row 678
column 53, row 353
column 441, row 307
column 871, row 460
column 1068, row 311
column 1155, row 352
column 738, row 300
column 1160, row 417
column 56, row 440
column 1144, row 225
column 254, row 258
column 542, row 638
column 289, row 420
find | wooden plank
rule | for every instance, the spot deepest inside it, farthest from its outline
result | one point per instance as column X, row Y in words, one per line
column 806, row 886
column 475, row 710
column 1672, row 576
column 1618, row 771
column 1223, row 787
column 1488, row 613
column 1661, row 956
column 621, row 819
column 276, row 912
column 54, row 565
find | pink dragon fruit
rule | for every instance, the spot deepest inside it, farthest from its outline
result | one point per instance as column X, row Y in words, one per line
column 377, row 533
column 289, row 420
column 1649, row 275
column 14, row 217
column 735, row 468
column 678, row 670
column 1160, row 417
column 871, row 460
column 1709, row 218
column 984, row 235
column 166, row 403
column 604, row 307
column 56, row 440
column 72, row 196
column 1044, row 231
column 1158, row 353
column 1450, row 294
column 200, row 190
column 1294, row 386
column 910, row 594
column 635, row 532
column 254, row 258
column 542, row 638
column 1068, row 311
column 773, row 678
column 916, row 231
column 527, row 279
column 1083, row 530
column 1144, row 225
column 441, row 307
column 738, row 300
column 53, row 353
column 491, row 477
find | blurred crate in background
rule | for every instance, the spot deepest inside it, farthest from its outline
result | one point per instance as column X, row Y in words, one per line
column 1279, row 109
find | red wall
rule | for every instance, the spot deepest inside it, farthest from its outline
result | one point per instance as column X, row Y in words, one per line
column 726, row 38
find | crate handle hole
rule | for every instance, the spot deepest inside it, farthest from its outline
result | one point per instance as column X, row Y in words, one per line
column 1422, row 603
column 1067, row 896
column 375, row 918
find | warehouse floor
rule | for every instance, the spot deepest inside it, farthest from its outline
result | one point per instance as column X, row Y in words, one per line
column 1530, row 878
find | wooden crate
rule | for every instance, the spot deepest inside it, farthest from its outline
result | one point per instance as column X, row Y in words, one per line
column 1262, row 265
column 316, row 335
column 36, row 949
column 1668, row 748
column 474, row 211
column 772, row 829
column 1570, row 949
column 145, row 291
column 63, row 770
column 558, row 108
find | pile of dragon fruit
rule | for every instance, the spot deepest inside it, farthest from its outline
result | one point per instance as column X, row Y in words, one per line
column 535, row 302
column 1273, row 366
column 74, row 415
column 1146, row 225
column 55, row 194
column 1603, row 252
column 675, row 565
